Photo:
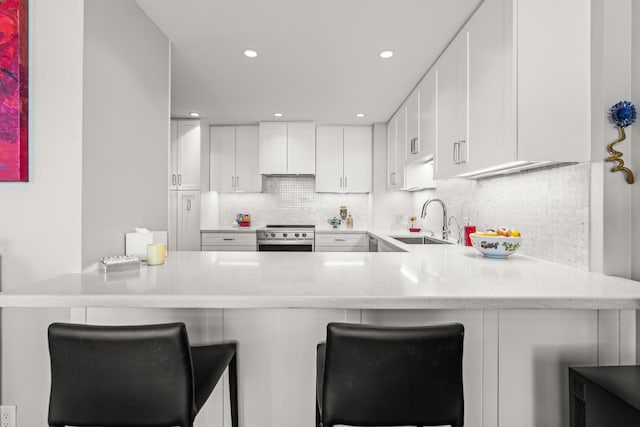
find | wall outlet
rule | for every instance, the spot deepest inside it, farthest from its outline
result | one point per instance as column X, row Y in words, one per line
column 8, row 416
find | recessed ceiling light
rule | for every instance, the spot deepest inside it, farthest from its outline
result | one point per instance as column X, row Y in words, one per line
column 278, row 114
column 250, row 53
column 386, row 54
column 194, row 114
column 360, row 115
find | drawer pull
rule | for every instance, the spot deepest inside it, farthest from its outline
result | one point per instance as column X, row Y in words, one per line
column 228, row 238
column 340, row 240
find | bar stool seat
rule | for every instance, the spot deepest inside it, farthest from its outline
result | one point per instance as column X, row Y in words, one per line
column 390, row 376
column 134, row 376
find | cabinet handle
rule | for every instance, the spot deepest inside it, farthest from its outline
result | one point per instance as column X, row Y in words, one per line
column 455, row 152
column 461, row 151
column 345, row 182
column 415, row 147
column 393, row 178
column 228, row 238
column 237, row 181
column 340, row 240
column 179, row 179
column 340, row 182
column 173, row 179
column 188, row 205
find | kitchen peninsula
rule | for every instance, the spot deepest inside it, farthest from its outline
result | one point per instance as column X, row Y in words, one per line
column 526, row 320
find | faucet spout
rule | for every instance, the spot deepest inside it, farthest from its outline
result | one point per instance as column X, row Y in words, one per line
column 445, row 228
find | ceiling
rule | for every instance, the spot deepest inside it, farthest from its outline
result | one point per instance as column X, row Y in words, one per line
column 318, row 59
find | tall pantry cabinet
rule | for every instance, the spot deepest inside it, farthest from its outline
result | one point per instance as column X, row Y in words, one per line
column 184, row 185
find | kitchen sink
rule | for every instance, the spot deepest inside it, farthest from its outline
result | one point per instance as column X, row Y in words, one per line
column 423, row 240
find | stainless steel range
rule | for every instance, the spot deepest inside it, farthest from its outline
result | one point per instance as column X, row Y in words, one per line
column 287, row 238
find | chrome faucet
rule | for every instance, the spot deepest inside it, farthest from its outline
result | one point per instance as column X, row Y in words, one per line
column 445, row 228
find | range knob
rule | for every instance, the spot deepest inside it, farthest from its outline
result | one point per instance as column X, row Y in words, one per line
column 297, row 234
column 273, row 234
column 284, row 234
column 304, row 234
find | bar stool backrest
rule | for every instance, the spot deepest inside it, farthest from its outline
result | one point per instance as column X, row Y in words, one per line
column 110, row 375
column 390, row 376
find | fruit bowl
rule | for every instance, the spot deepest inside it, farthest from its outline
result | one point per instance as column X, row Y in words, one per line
column 495, row 246
column 415, row 230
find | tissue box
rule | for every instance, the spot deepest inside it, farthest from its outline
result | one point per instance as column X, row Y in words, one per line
column 136, row 243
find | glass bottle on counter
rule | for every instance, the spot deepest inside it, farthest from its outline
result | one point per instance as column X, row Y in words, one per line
column 349, row 221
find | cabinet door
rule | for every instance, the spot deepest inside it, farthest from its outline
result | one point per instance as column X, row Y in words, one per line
column 392, row 138
column 357, row 159
column 413, row 142
column 301, row 148
column 248, row 177
column 428, row 114
column 329, row 171
column 491, row 137
column 188, row 155
column 188, row 235
column 401, row 147
column 223, row 158
column 452, row 109
column 173, row 156
column 172, row 228
column 273, row 148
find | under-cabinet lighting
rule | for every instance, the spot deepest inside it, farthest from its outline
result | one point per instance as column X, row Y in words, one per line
column 239, row 263
column 409, row 275
column 194, row 114
column 343, row 263
column 386, row 54
column 505, row 169
column 250, row 53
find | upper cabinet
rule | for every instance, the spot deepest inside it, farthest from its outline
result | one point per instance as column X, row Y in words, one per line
column 396, row 150
column 184, row 155
column 345, row 156
column 287, row 148
column 452, row 141
column 508, row 93
column 234, row 159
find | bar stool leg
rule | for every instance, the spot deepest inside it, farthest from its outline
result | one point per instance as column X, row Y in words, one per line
column 233, row 391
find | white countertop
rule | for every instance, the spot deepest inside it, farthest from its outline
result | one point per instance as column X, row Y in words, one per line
column 428, row 277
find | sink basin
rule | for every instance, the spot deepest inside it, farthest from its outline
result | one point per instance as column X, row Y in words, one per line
column 422, row 241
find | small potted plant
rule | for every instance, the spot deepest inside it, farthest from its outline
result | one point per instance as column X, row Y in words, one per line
column 412, row 226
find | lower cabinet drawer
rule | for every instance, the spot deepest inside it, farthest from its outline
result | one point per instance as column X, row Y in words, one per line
column 342, row 242
column 228, row 239
column 229, row 248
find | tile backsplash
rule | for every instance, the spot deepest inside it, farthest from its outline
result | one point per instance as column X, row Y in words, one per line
column 292, row 200
column 549, row 206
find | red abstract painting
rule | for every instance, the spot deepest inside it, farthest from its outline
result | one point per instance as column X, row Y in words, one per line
column 14, row 154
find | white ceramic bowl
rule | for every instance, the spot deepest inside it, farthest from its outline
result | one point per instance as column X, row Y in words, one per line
column 495, row 247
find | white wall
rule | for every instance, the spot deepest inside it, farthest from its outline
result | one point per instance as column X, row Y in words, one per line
column 634, row 141
column 126, row 126
column 40, row 220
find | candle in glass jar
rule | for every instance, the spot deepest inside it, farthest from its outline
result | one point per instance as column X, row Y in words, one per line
column 156, row 253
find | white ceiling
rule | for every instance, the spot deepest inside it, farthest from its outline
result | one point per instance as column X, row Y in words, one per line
column 318, row 59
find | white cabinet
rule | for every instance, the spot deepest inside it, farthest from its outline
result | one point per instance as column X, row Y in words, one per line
column 228, row 241
column 184, row 221
column 528, row 100
column 342, row 242
column 396, row 150
column 287, row 148
column 412, row 140
column 344, row 156
column 184, row 155
column 234, row 159
column 452, row 147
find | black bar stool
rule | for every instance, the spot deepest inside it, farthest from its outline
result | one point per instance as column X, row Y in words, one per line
column 390, row 376
column 135, row 376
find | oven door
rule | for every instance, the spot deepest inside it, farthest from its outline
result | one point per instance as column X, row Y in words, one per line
column 285, row 245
